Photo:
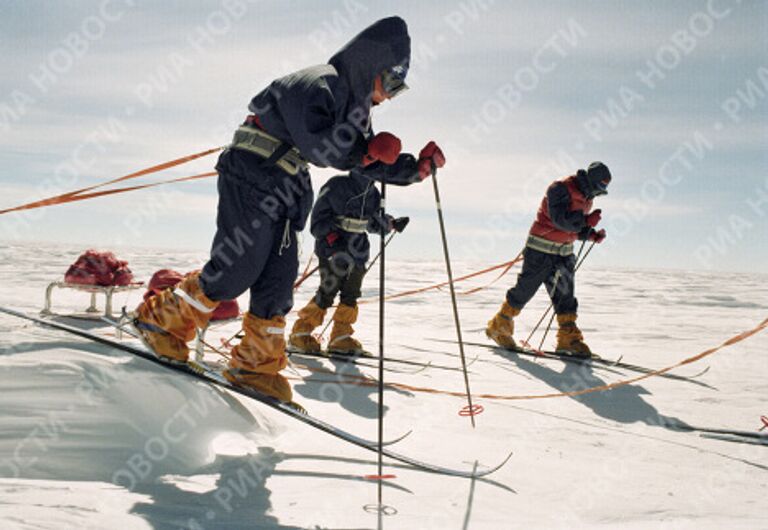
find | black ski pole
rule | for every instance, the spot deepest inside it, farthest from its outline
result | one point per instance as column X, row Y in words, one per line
column 438, row 204
column 374, row 260
column 382, row 286
column 578, row 265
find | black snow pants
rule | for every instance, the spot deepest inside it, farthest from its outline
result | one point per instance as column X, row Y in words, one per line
column 339, row 274
column 556, row 272
column 255, row 246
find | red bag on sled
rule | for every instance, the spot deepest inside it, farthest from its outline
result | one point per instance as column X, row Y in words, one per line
column 226, row 310
column 98, row 268
column 168, row 278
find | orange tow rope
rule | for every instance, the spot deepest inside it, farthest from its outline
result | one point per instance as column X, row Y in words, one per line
column 499, row 277
column 506, row 266
column 81, row 194
column 82, row 197
column 307, row 273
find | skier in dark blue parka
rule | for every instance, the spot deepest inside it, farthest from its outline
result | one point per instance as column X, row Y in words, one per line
column 346, row 210
column 321, row 116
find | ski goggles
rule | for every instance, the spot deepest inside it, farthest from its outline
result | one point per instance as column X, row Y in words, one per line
column 393, row 80
column 601, row 188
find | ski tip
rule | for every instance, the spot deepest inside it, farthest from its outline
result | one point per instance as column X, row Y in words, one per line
column 704, row 371
column 399, row 439
column 486, row 472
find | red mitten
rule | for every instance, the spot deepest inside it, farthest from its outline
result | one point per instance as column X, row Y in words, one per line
column 384, row 147
column 431, row 155
column 594, row 218
column 597, row 235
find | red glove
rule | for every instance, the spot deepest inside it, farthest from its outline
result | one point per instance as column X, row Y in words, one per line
column 430, row 156
column 384, row 147
column 594, row 218
column 597, row 235
column 331, row 238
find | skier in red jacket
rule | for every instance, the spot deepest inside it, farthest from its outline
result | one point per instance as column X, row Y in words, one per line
column 565, row 215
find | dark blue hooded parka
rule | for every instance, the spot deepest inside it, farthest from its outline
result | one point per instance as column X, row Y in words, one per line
column 352, row 197
column 324, row 112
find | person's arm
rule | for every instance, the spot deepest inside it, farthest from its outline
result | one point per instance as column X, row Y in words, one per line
column 565, row 219
column 590, row 234
column 407, row 169
column 375, row 223
column 403, row 172
column 324, row 214
column 308, row 109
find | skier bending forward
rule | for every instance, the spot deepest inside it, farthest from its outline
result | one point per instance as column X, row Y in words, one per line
column 319, row 115
column 564, row 216
column 346, row 208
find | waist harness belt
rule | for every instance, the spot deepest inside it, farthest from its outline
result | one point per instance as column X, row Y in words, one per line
column 350, row 224
column 272, row 150
column 549, row 247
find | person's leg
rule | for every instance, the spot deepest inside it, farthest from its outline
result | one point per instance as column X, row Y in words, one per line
column 351, row 287
column 330, row 283
column 536, row 267
column 272, row 292
column 242, row 244
column 561, row 286
column 312, row 315
column 341, row 340
column 168, row 320
column 260, row 356
column 285, row 200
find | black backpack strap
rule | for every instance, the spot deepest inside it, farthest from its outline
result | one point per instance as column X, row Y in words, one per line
column 276, row 155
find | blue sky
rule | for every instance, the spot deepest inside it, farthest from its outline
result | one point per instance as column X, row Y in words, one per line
column 518, row 93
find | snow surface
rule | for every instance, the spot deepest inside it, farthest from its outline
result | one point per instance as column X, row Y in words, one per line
column 94, row 438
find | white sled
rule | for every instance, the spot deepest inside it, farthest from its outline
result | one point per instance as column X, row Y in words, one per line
column 92, row 311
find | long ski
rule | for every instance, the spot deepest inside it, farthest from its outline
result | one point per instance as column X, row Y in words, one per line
column 564, row 357
column 204, row 373
column 356, row 361
column 497, row 363
column 216, row 369
column 358, row 358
